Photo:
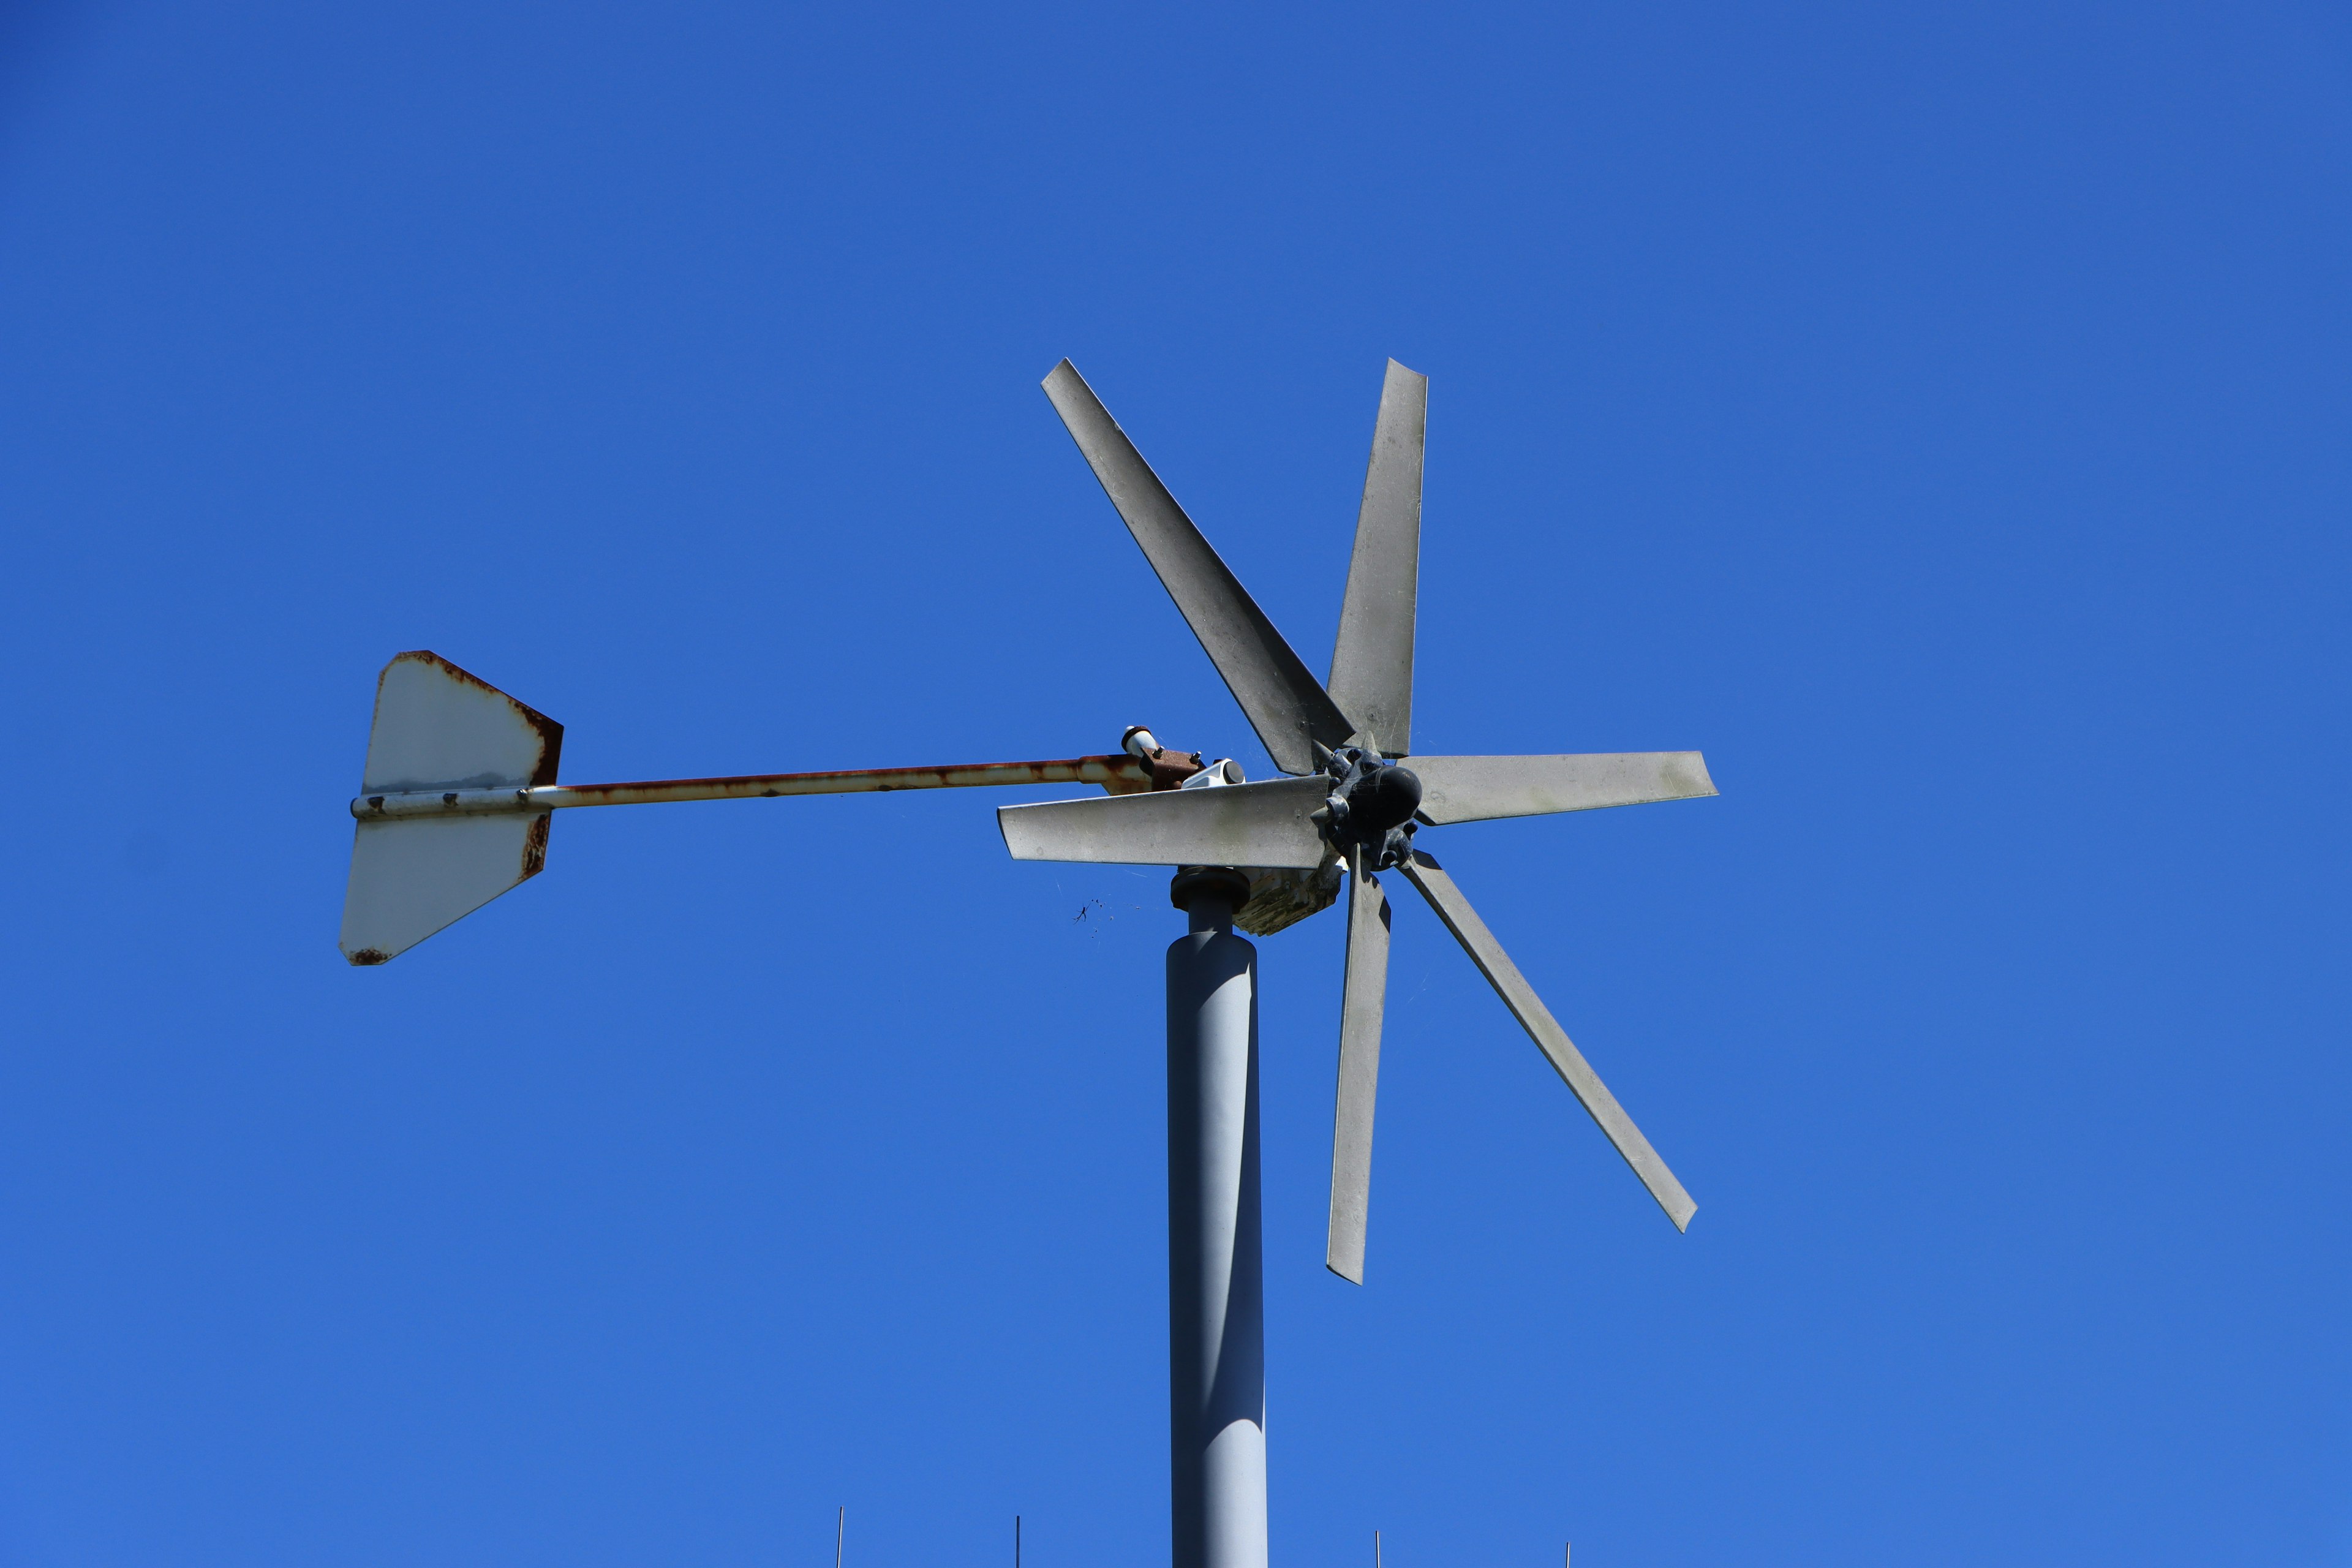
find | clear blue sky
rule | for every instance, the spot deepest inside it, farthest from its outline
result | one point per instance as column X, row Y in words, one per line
column 1936, row 413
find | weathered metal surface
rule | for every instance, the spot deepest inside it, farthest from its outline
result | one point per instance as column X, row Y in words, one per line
column 439, row 732
column 1372, row 663
column 1286, row 704
column 1280, row 897
column 1265, row 824
column 1364, row 998
column 1550, row 1037
column 1170, row 768
column 440, row 727
column 1476, row 789
column 1127, row 773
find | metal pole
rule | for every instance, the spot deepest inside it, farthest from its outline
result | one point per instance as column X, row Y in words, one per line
column 1118, row 775
column 1217, row 1329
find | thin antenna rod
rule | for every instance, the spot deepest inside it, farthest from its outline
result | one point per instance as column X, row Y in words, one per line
column 840, row 1524
column 1016, row 1541
column 1376, row 1550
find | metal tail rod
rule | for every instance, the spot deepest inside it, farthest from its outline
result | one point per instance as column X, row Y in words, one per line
column 455, row 799
column 1120, row 775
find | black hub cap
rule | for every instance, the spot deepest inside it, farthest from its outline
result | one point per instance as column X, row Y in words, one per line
column 1370, row 807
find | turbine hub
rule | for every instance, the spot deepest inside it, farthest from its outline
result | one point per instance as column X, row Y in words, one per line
column 1383, row 798
column 1370, row 809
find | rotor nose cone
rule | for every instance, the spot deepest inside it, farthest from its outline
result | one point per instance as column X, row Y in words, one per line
column 1385, row 798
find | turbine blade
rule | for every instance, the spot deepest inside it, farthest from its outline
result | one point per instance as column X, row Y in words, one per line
column 1361, row 1007
column 1371, row 665
column 1473, row 789
column 1521, row 998
column 1230, row 825
column 1286, row 706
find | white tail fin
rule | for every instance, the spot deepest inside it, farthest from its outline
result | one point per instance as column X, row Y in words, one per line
column 437, row 727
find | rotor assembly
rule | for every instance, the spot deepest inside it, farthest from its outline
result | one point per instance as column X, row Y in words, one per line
column 1356, row 795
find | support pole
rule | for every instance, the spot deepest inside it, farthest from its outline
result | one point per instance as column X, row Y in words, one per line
column 1216, row 1328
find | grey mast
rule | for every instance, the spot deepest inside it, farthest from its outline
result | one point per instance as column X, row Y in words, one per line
column 1216, row 1313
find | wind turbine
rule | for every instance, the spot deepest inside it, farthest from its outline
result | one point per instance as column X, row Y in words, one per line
column 459, row 787
column 1265, row 855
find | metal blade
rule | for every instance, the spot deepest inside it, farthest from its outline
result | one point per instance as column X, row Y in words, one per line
column 1233, row 825
column 1521, row 998
column 1473, row 789
column 1371, row 665
column 1286, row 704
column 1361, row 1007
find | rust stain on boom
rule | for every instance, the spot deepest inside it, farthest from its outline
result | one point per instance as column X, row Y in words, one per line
column 1114, row 775
column 1108, row 771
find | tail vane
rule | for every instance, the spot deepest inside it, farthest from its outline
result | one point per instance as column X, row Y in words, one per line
column 437, row 727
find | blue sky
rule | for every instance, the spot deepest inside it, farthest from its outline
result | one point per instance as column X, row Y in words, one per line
column 1935, row 414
